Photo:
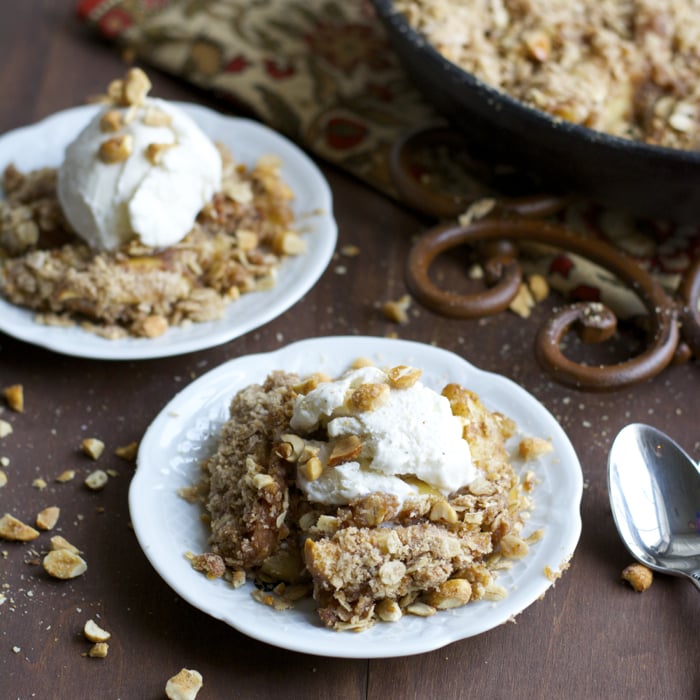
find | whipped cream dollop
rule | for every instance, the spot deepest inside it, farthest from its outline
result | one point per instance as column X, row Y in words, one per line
column 140, row 170
column 411, row 441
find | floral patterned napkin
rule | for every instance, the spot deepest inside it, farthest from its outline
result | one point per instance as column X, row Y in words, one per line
column 322, row 73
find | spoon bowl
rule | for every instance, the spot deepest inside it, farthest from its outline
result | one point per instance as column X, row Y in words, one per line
column 654, row 489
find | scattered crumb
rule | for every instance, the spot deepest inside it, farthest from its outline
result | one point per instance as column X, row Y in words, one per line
column 533, row 447
column 539, row 287
column 99, row 650
column 67, row 475
column 638, row 576
column 14, row 396
column 350, row 251
column 13, row 529
column 93, row 447
column 47, row 518
column 477, row 210
column 210, row 564
column 59, row 542
column 5, row 428
column 127, row 452
column 523, row 302
column 64, row 564
column 184, row 685
column 3, row 479
column 96, row 480
column 94, row 633
column 39, row 483
column 397, row 311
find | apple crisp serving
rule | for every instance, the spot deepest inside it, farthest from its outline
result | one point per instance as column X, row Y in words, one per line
column 300, row 507
column 235, row 246
column 628, row 68
column 146, row 224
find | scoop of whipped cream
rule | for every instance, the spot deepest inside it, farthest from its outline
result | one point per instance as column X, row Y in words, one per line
column 142, row 169
column 411, row 441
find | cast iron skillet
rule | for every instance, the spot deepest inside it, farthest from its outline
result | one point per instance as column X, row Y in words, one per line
column 647, row 181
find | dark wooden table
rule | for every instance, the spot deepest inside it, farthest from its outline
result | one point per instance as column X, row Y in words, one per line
column 589, row 637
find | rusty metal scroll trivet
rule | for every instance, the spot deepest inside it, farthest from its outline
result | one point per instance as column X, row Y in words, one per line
column 673, row 324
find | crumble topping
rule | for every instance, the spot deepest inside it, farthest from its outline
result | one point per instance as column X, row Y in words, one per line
column 629, row 68
column 378, row 556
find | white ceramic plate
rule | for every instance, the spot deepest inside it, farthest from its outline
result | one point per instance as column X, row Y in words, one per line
column 186, row 431
column 43, row 144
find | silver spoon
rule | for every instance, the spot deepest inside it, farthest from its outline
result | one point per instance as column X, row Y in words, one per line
column 654, row 489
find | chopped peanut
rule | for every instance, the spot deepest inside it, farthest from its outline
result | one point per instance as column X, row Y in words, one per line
column 67, row 475
column 539, row 287
column 14, row 395
column 368, row 397
column 99, row 650
column 533, row 447
column 64, row 564
column 345, row 449
column 47, row 518
column 421, row 609
column 155, row 151
column 127, row 452
column 93, row 447
column 156, row 117
column 443, row 511
column 397, row 311
column 59, row 542
column 96, row 480
column 452, row 594
column 116, row 149
column 311, row 469
column 111, row 121
column 184, row 685
column 13, row 529
column 523, row 302
column 389, row 610
column 5, row 428
column 210, row 564
column 135, row 87
column 514, row 547
column 290, row 447
column 94, row 633
column 402, row 377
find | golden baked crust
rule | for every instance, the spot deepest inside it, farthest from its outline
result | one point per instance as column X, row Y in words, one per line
column 375, row 558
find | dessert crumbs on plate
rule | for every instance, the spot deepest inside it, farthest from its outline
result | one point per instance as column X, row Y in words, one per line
column 236, row 246
column 631, row 69
column 375, row 558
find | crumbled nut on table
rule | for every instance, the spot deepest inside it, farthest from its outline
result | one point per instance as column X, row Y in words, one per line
column 64, row 564
column 14, row 396
column 638, row 576
column 13, row 529
column 184, row 685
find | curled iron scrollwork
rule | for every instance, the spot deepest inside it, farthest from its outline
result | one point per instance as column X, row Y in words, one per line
column 672, row 322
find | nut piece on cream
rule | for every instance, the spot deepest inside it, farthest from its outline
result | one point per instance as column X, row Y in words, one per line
column 411, row 442
column 140, row 169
